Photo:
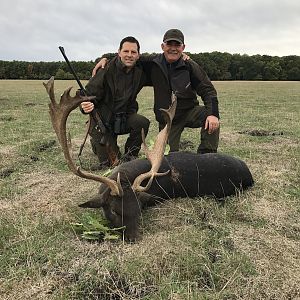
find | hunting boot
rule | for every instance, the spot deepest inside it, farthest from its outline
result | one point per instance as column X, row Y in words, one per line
column 103, row 153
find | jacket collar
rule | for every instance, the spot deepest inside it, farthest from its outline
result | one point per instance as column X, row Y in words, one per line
column 112, row 69
column 161, row 61
column 120, row 66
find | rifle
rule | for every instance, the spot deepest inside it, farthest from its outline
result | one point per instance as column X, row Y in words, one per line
column 99, row 124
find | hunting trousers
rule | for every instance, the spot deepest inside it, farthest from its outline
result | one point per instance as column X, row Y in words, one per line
column 194, row 118
column 134, row 125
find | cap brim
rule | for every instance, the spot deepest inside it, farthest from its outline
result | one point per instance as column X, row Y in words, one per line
column 173, row 39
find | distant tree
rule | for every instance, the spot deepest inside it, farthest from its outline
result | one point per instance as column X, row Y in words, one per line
column 272, row 70
column 107, row 55
column 293, row 74
column 221, row 65
column 60, row 74
column 252, row 67
column 291, row 67
column 235, row 68
column 29, row 71
column 218, row 66
column 206, row 62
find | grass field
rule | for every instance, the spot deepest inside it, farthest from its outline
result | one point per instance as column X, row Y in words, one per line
column 245, row 247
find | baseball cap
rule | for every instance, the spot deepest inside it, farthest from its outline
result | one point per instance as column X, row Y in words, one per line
column 174, row 35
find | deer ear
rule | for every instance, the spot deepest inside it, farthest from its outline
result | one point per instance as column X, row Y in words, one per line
column 94, row 202
column 148, row 199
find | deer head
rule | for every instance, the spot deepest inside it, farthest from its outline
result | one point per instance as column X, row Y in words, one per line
column 111, row 192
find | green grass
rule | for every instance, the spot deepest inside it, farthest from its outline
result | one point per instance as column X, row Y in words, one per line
column 246, row 247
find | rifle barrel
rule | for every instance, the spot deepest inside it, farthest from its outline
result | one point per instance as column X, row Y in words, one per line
column 62, row 50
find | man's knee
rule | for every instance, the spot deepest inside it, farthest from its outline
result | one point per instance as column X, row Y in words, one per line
column 140, row 122
column 144, row 123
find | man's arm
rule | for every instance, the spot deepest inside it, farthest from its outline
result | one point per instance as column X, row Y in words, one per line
column 144, row 59
column 208, row 94
column 95, row 87
column 100, row 65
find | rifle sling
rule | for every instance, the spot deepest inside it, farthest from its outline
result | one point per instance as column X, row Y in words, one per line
column 111, row 154
column 88, row 126
column 96, row 118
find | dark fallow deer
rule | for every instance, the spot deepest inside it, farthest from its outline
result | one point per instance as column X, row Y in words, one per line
column 126, row 191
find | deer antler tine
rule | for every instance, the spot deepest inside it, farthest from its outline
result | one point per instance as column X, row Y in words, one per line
column 169, row 113
column 115, row 190
column 155, row 156
column 50, row 88
column 137, row 182
column 59, row 114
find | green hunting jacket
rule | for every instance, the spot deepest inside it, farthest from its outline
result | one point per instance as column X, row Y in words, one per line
column 188, row 80
column 103, row 86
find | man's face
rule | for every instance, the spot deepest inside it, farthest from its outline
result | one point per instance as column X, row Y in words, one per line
column 129, row 54
column 172, row 50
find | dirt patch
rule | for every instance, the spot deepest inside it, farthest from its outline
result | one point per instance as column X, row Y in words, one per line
column 7, row 118
column 6, row 172
column 45, row 145
column 260, row 132
column 186, row 145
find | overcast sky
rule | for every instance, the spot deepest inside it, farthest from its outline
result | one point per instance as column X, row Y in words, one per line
column 32, row 30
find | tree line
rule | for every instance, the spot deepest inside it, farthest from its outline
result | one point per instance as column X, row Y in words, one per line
column 218, row 65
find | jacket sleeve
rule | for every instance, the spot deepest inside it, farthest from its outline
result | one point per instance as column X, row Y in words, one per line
column 204, row 88
column 146, row 61
column 95, row 87
column 148, row 57
column 132, row 107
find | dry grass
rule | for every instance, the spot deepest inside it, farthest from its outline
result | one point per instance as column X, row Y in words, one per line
column 244, row 248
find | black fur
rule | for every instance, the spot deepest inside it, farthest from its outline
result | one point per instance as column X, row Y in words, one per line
column 191, row 175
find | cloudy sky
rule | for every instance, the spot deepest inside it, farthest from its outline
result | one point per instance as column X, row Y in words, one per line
column 32, row 30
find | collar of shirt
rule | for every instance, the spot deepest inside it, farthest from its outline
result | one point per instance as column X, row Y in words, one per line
column 171, row 65
column 122, row 67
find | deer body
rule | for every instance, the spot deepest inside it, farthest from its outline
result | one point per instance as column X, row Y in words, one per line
column 191, row 175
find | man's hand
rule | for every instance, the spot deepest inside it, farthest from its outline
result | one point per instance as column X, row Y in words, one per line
column 87, row 107
column 185, row 56
column 101, row 64
column 212, row 124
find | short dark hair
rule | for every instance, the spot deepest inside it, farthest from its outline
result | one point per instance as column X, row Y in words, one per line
column 130, row 39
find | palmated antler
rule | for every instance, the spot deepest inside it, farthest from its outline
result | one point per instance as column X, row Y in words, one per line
column 59, row 113
column 155, row 156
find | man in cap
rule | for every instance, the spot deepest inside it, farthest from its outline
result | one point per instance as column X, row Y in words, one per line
column 169, row 72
